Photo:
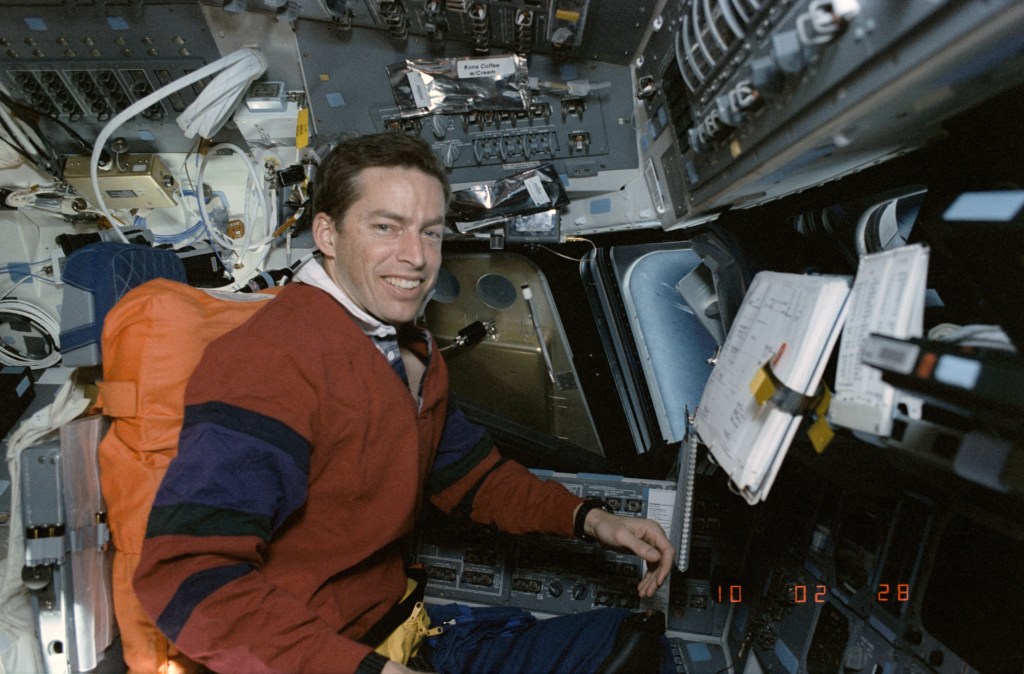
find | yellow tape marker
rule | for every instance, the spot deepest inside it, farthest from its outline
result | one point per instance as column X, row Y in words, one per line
column 302, row 128
column 761, row 386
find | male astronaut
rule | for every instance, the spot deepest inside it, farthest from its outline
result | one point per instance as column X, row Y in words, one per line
column 313, row 434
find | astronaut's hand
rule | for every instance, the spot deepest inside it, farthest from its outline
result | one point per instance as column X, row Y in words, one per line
column 642, row 537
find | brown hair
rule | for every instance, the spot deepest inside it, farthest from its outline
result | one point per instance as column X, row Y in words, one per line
column 336, row 187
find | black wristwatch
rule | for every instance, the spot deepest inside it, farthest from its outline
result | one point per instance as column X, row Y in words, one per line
column 581, row 517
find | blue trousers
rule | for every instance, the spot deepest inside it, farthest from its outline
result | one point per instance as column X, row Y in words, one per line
column 571, row 644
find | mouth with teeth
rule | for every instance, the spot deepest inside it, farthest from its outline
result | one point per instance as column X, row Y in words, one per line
column 403, row 283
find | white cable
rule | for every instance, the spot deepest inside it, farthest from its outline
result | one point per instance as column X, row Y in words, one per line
column 142, row 105
column 21, row 198
column 207, row 114
column 976, row 335
column 28, row 197
column 252, row 188
column 254, row 185
column 39, row 319
column 24, row 134
column 33, row 137
column 15, row 129
column 9, row 157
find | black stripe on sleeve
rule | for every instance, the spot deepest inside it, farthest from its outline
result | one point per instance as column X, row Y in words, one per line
column 192, row 519
column 465, row 506
column 251, row 423
column 446, row 477
column 195, row 589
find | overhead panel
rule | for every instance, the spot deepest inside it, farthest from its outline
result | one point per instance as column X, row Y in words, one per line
column 85, row 67
column 349, row 91
column 600, row 30
column 740, row 102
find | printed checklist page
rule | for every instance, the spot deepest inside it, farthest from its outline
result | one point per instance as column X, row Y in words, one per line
column 793, row 321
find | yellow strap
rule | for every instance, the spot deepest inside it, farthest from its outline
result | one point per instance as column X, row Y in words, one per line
column 762, row 386
column 405, row 641
column 765, row 387
column 821, row 432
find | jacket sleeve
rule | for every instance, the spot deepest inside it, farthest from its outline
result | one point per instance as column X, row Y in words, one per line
column 470, row 478
column 238, row 476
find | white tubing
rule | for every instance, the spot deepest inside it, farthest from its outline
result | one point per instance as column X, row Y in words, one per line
column 141, row 105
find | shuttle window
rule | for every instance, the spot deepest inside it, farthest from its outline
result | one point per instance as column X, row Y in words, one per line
column 496, row 291
column 899, row 571
column 447, row 288
column 859, row 545
column 975, row 580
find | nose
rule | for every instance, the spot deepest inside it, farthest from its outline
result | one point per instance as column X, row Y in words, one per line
column 411, row 248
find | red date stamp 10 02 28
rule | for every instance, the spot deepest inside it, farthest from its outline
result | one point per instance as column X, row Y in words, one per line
column 801, row 594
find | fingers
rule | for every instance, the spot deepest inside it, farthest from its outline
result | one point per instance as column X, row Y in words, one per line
column 654, row 578
column 646, row 539
column 659, row 561
column 654, row 542
column 648, row 585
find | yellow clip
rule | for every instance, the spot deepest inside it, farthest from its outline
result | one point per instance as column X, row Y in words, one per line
column 761, row 386
column 821, row 432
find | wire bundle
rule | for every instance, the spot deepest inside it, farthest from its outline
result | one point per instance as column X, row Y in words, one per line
column 21, row 132
column 39, row 319
column 241, row 56
column 253, row 190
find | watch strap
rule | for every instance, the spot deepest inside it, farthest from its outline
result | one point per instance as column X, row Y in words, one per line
column 581, row 517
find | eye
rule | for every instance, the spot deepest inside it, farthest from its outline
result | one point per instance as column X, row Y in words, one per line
column 383, row 227
column 433, row 233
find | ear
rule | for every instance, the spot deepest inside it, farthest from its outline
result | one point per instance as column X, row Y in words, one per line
column 324, row 234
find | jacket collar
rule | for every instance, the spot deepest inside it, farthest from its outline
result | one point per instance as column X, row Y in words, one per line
column 312, row 273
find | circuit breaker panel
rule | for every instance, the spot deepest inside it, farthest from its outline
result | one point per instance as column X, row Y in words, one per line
column 550, row 575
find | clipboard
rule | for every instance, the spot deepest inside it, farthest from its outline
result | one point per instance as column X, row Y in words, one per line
column 790, row 322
